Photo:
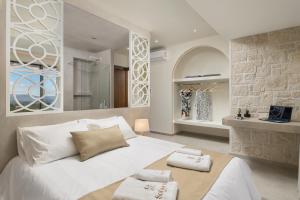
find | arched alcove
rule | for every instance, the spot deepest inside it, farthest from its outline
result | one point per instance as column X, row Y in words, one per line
column 202, row 61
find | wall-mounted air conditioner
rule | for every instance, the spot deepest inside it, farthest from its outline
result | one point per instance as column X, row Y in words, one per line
column 159, row 55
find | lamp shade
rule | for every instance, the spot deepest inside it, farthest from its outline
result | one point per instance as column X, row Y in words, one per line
column 141, row 125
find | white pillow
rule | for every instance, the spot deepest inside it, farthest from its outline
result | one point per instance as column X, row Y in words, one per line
column 109, row 122
column 20, row 144
column 126, row 129
column 43, row 144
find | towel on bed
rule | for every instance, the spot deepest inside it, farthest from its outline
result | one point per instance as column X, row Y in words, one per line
column 190, row 188
column 133, row 189
column 198, row 163
column 189, row 151
column 163, row 176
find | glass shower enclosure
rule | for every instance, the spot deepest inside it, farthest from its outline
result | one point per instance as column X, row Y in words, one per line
column 91, row 84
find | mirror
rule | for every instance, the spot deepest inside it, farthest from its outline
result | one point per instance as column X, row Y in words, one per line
column 96, row 62
column 88, row 70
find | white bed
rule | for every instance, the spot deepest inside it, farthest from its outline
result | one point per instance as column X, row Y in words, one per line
column 69, row 179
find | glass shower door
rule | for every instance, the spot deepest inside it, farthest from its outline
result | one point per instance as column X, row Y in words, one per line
column 91, row 85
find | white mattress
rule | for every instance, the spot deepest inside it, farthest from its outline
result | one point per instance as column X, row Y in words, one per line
column 69, row 179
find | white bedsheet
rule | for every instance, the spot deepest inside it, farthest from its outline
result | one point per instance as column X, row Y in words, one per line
column 69, row 179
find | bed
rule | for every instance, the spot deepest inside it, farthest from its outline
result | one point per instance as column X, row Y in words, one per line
column 60, row 176
column 69, row 179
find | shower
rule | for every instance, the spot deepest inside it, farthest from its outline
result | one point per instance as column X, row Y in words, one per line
column 91, row 84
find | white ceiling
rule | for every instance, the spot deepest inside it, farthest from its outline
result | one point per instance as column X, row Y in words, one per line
column 80, row 27
column 237, row 18
column 168, row 21
column 173, row 21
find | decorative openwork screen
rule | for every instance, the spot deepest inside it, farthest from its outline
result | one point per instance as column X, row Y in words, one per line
column 139, row 71
column 34, row 68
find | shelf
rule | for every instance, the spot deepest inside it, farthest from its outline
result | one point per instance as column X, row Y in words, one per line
column 202, row 79
column 82, row 94
column 209, row 124
column 290, row 127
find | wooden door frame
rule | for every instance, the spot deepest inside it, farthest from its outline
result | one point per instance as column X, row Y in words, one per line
column 125, row 69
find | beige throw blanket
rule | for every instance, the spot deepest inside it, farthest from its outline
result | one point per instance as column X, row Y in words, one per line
column 193, row 185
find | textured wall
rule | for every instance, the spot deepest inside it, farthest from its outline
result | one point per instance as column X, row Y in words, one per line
column 266, row 70
column 263, row 144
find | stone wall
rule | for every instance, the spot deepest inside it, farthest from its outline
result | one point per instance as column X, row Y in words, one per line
column 263, row 144
column 266, row 71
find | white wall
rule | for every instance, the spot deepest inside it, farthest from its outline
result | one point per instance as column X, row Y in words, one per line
column 161, row 110
column 121, row 60
column 202, row 60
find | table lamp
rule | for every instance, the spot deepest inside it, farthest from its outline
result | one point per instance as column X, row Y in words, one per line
column 141, row 126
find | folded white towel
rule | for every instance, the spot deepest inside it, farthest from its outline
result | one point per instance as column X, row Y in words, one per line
column 199, row 163
column 163, row 176
column 133, row 189
column 189, row 151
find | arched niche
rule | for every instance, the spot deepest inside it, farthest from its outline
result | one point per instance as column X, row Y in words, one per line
column 201, row 60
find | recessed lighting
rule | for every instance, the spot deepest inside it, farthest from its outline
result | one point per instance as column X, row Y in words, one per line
column 195, row 30
column 94, row 38
column 156, row 41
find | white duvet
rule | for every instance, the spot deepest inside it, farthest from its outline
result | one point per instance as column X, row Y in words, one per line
column 69, row 179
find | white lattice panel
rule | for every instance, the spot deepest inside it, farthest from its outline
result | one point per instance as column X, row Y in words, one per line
column 139, row 71
column 35, row 55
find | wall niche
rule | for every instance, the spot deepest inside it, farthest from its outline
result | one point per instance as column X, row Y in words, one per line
column 204, row 70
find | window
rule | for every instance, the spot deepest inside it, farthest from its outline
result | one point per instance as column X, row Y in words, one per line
column 29, row 91
column 35, row 50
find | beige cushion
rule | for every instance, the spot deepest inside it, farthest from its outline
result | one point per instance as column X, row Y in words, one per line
column 94, row 142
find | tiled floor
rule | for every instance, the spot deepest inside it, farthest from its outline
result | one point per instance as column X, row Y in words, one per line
column 273, row 182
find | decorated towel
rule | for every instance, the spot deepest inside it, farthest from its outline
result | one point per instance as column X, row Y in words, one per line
column 186, row 161
column 133, row 189
column 154, row 175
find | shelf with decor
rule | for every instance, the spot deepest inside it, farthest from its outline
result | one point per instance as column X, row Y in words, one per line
column 208, row 94
column 209, row 124
column 222, row 78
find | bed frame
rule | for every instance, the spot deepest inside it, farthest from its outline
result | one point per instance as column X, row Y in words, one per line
column 8, row 125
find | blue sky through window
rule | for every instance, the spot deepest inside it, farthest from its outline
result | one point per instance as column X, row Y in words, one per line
column 21, row 88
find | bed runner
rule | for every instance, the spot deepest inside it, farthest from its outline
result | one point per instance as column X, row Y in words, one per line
column 193, row 185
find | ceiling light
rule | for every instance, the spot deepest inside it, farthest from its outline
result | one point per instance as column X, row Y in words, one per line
column 156, row 41
column 195, row 30
column 94, row 38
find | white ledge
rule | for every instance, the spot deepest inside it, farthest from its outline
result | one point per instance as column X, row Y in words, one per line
column 222, row 78
column 209, row 124
column 255, row 123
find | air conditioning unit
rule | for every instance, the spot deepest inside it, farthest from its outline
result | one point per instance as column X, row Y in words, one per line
column 159, row 55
